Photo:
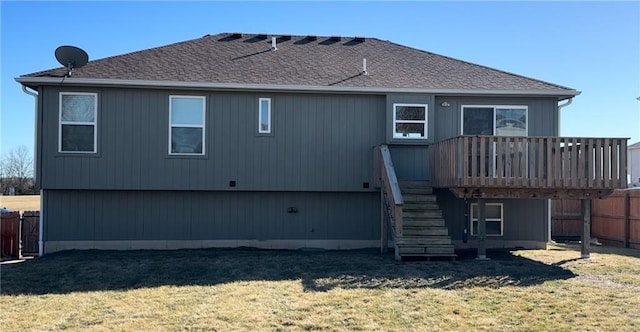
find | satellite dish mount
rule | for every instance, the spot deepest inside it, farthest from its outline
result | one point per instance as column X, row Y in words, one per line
column 71, row 57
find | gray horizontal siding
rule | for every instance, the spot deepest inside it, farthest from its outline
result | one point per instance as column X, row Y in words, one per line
column 82, row 215
column 319, row 143
column 524, row 219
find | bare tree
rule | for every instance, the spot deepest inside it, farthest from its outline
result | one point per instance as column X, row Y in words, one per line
column 17, row 170
column 4, row 177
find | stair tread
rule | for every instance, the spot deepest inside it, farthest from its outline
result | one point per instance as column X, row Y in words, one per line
column 410, row 198
column 422, row 223
column 425, row 204
column 423, row 243
column 417, row 183
column 416, row 191
column 411, row 207
column 426, row 219
column 432, row 246
column 436, row 245
column 423, row 212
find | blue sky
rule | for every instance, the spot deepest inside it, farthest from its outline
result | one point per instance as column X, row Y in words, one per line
column 593, row 47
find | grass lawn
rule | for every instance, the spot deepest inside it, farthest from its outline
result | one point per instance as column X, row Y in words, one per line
column 255, row 290
column 21, row 203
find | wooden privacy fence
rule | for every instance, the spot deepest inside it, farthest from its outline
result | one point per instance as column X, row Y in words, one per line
column 19, row 235
column 530, row 162
column 614, row 219
column 566, row 219
column 617, row 218
column 10, row 234
column 30, row 230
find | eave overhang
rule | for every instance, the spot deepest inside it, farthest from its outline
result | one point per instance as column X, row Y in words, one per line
column 34, row 82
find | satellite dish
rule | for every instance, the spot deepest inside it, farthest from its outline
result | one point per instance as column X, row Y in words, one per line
column 71, row 57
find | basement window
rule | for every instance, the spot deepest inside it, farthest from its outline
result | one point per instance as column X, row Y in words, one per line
column 77, row 131
column 410, row 121
column 186, row 125
column 264, row 116
column 493, row 219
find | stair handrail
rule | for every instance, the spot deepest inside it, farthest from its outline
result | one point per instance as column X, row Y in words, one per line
column 388, row 213
column 390, row 188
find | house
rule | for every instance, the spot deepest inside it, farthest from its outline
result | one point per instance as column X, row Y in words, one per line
column 305, row 141
column 634, row 164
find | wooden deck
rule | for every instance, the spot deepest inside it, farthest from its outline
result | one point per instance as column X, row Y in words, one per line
column 529, row 167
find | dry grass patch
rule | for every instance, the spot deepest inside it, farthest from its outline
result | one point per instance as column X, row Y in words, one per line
column 339, row 291
column 21, row 203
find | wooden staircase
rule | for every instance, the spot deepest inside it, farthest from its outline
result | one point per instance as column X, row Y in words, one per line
column 424, row 233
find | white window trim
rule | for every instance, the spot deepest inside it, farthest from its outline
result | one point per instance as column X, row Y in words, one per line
column 94, row 123
column 524, row 107
column 203, row 126
column 425, row 121
column 473, row 218
column 260, row 130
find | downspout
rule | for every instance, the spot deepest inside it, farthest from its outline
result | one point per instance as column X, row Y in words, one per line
column 35, row 160
column 560, row 107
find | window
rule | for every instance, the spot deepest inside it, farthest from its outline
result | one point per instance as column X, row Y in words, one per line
column 78, row 117
column 410, row 121
column 264, row 115
column 499, row 121
column 493, row 219
column 494, row 120
column 186, row 125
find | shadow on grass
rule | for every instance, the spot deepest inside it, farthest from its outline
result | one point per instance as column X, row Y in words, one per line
column 81, row 271
column 600, row 249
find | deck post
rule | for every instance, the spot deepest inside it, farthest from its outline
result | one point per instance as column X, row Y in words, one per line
column 383, row 224
column 586, row 228
column 482, row 230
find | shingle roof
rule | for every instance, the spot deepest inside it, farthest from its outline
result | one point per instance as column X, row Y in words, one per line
column 301, row 60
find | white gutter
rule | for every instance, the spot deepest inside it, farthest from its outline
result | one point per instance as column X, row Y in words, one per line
column 549, row 240
column 35, row 160
column 71, row 81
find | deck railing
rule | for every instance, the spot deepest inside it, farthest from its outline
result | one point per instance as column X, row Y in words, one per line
column 530, row 162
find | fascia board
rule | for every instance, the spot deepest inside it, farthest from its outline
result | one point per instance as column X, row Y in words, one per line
column 70, row 81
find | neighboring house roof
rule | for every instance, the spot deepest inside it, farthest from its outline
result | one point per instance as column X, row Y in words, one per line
column 634, row 146
column 301, row 62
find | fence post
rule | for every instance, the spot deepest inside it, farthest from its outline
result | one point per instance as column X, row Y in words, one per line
column 586, row 228
column 627, row 220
